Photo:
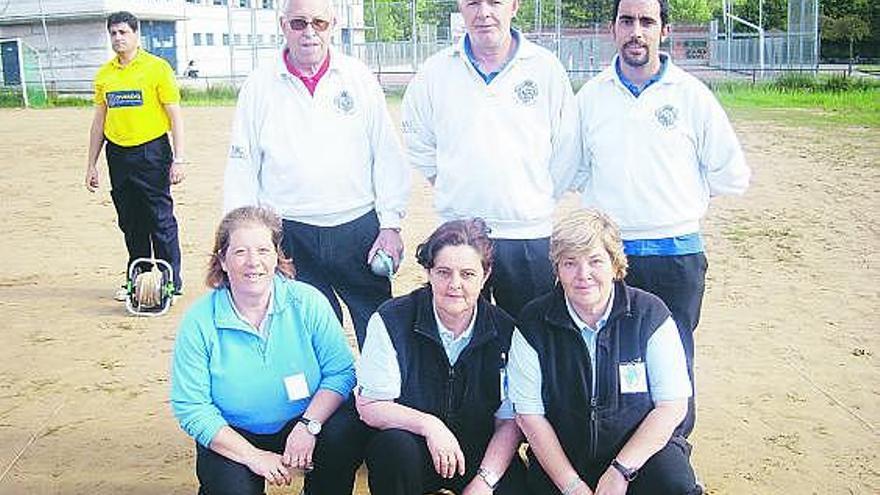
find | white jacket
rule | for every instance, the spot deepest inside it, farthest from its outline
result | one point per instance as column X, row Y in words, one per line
column 652, row 162
column 503, row 151
column 322, row 160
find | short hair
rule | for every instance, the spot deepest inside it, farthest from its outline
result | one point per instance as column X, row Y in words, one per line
column 234, row 220
column 285, row 6
column 123, row 16
column 470, row 232
column 582, row 231
column 664, row 11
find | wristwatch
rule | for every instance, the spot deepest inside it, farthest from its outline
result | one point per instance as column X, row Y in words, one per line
column 627, row 473
column 313, row 426
column 489, row 477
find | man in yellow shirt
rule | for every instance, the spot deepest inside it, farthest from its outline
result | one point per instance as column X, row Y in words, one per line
column 136, row 103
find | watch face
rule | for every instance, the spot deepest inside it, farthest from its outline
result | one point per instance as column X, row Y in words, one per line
column 314, row 427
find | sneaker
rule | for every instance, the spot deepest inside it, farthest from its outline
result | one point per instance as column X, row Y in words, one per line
column 121, row 294
column 176, row 296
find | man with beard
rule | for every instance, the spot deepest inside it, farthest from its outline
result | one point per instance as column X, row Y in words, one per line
column 136, row 104
column 657, row 145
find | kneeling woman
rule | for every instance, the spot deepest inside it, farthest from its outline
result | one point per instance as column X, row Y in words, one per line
column 431, row 378
column 261, row 368
column 598, row 375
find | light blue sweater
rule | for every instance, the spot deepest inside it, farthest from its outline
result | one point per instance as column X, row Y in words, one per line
column 223, row 372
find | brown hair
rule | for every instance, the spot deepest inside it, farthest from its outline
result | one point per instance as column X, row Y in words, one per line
column 470, row 232
column 234, row 220
column 582, row 231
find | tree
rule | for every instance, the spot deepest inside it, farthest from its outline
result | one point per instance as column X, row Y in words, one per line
column 849, row 28
column 689, row 11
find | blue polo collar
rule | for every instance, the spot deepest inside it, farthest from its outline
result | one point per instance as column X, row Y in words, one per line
column 634, row 88
column 469, row 51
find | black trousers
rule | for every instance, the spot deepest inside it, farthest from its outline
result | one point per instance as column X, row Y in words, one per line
column 141, row 192
column 521, row 272
column 399, row 463
column 338, row 454
column 668, row 472
column 334, row 260
column 680, row 282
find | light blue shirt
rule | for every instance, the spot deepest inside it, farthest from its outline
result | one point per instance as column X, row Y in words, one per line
column 378, row 372
column 225, row 373
column 665, row 364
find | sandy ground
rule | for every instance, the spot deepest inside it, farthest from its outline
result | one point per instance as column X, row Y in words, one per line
column 787, row 357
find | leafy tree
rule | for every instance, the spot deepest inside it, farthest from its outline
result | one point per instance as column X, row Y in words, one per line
column 849, row 28
column 689, row 11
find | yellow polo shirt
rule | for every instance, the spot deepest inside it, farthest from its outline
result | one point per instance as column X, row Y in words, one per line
column 134, row 96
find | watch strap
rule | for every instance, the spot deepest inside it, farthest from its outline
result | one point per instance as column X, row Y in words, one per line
column 628, row 474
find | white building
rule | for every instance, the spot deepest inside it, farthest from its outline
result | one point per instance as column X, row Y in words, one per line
column 223, row 37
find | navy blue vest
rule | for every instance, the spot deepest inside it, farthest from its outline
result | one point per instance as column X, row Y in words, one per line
column 465, row 396
column 591, row 429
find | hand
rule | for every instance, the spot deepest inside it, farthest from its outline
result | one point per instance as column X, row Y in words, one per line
column 269, row 465
column 477, row 487
column 92, row 179
column 445, row 451
column 389, row 241
column 176, row 173
column 299, row 448
column 611, row 483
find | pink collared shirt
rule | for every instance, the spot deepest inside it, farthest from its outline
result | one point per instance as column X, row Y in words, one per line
column 311, row 82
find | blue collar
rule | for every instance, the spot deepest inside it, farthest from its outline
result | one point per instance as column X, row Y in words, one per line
column 469, row 51
column 631, row 86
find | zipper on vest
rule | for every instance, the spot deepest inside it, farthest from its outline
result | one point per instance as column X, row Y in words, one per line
column 449, row 380
column 594, row 430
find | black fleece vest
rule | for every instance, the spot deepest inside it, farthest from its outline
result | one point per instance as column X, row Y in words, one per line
column 465, row 396
column 592, row 430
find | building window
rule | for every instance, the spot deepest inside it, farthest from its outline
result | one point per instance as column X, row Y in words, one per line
column 209, row 39
column 268, row 4
column 225, row 39
column 219, row 2
column 243, row 3
column 197, row 39
column 194, row 1
column 260, row 39
column 250, row 39
column 236, row 39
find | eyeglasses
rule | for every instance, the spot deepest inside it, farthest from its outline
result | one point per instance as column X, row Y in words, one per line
column 299, row 24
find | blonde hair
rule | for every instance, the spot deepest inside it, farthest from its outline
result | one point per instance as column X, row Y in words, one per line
column 235, row 219
column 580, row 232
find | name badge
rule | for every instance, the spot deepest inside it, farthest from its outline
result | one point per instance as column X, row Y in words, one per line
column 633, row 378
column 131, row 98
column 297, row 387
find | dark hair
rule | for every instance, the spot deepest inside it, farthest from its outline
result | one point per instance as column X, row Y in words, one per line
column 235, row 219
column 664, row 12
column 471, row 232
column 123, row 16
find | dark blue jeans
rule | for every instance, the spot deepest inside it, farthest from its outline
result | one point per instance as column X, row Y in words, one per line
column 680, row 282
column 334, row 260
column 141, row 192
column 521, row 272
column 338, row 454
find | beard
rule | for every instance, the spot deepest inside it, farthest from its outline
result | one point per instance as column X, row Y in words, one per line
column 635, row 60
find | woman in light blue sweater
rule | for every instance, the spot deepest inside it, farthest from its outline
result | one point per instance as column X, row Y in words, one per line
column 262, row 371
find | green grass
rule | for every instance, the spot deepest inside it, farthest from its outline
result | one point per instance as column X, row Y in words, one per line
column 806, row 100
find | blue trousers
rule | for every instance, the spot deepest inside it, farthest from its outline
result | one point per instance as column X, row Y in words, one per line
column 337, row 456
column 334, row 260
column 680, row 282
column 141, row 192
column 521, row 272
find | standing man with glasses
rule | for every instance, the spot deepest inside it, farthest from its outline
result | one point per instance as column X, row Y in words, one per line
column 137, row 103
column 313, row 139
column 491, row 123
column 657, row 146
